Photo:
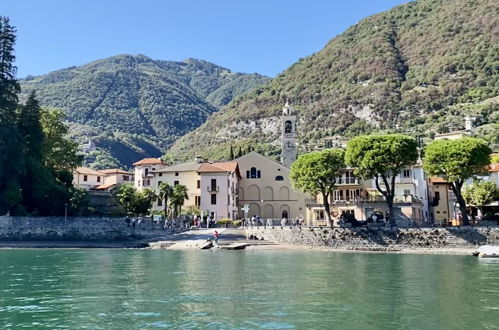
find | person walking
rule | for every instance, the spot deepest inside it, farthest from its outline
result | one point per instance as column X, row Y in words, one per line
column 215, row 236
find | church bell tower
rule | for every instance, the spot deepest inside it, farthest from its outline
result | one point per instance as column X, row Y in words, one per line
column 289, row 152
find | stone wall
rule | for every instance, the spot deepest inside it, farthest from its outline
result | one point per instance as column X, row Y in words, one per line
column 78, row 228
column 379, row 239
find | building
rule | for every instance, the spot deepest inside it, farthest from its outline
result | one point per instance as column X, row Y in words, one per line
column 361, row 199
column 288, row 141
column 143, row 172
column 442, row 201
column 219, row 189
column 184, row 174
column 113, row 177
column 87, row 178
column 265, row 186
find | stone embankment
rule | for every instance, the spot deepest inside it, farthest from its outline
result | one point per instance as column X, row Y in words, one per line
column 379, row 239
column 77, row 229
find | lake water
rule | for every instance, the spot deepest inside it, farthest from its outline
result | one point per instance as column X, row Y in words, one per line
column 138, row 289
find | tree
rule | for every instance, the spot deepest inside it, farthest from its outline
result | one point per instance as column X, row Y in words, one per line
column 177, row 199
column 165, row 192
column 457, row 161
column 231, row 153
column 316, row 172
column 381, row 157
column 10, row 158
column 480, row 193
column 125, row 194
column 143, row 201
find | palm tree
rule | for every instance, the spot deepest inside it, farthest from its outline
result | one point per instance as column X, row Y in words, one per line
column 177, row 198
column 165, row 192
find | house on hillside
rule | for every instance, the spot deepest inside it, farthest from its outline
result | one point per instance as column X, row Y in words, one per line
column 87, row 178
column 113, row 177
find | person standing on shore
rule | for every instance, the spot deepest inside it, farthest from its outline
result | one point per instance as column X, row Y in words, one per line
column 215, row 236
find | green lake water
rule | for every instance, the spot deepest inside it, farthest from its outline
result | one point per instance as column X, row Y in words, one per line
column 142, row 289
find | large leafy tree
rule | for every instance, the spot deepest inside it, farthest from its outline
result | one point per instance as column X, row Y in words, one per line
column 381, row 157
column 480, row 193
column 165, row 192
column 177, row 199
column 133, row 201
column 316, row 172
column 457, row 161
column 10, row 157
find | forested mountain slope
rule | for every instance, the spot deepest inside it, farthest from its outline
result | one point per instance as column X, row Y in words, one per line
column 127, row 107
column 418, row 68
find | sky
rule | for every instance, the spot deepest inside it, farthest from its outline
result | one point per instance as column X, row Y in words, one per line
column 263, row 36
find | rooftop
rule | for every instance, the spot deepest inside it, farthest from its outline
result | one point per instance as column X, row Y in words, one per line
column 218, row 167
column 183, row 167
column 87, row 171
column 149, row 161
column 115, row 171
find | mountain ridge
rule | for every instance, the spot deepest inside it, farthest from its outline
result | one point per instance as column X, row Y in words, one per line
column 132, row 105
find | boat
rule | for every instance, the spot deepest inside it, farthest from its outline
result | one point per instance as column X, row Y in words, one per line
column 488, row 251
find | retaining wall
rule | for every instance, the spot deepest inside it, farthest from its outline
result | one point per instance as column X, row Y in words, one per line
column 379, row 239
column 77, row 228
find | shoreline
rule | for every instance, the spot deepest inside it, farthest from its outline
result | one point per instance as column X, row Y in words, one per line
column 142, row 244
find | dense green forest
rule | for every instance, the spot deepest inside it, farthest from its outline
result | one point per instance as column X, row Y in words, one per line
column 36, row 157
column 131, row 107
column 418, row 68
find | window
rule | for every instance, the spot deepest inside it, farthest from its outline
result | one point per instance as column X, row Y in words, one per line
column 176, row 183
column 153, row 168
column 138, row 183
column 198, row 184
column 160, row 174
column 407, row 192
column 85, row 178
column 213, row 199
column 437, row 194
column 98, row 179
column 197, row 200
column 247, row 174
column 160, row 202
column 146, row 171
column 259, row 174
column 126, row 178
column 406, row 174
column 176, row 173
column 213, row 185
column 279, row 178
column 288, row 126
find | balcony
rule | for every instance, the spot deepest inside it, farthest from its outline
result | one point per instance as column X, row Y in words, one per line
column 347, row 181
column 213, row 189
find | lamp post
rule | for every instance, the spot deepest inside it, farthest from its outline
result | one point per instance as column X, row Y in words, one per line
column 65, row 213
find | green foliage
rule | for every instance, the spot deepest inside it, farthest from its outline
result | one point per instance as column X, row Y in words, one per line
column 414, row 68
column 381, row 157
column 480, row 193
column 133, row 201
column 133, row 107
column 177, row 198
column 316, row 172
column 494, row 159
column 224, row 222
column 377, row 155
column 165, row 192
column 457, row 160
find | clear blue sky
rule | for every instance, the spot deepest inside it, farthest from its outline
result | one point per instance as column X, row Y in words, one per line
column 264, row 36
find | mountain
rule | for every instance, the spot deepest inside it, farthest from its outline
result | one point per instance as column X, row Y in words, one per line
column 417, row 68
column 126, row 107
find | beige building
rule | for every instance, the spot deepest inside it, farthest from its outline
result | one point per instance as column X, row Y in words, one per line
column 113, row 177
column 219, row 189
column 87, row 178
column 265, row 186
column 143, row 172
column 361, row 199
column 184, row 174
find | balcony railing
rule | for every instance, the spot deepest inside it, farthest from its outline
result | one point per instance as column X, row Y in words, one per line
column 213, row 189
column 369, row 199
column 347, row 181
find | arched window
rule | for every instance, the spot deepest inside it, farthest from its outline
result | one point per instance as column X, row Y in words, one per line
column 288, row 126
column 279, row 178
column 284, row 214
column 253, row 173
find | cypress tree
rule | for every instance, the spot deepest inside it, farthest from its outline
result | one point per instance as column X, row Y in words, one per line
column 231, row 153
column 10, row 157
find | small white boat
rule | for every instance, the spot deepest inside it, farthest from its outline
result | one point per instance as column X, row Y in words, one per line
column 488, row 251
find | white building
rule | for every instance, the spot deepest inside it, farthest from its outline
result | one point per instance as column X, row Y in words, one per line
column 87, row 178
column 143, row 172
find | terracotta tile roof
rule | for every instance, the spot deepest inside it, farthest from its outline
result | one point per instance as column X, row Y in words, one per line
column 87, row 171
column 436, row 179
column 115, row 171
column 149, row 161
column 219, row 167
column 493, row 167
column 104, row 186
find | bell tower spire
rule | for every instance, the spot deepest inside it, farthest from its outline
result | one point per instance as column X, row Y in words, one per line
column 288, row 121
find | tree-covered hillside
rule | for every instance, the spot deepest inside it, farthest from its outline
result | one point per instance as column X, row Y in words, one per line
column 128, row 107
column 418, row 68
